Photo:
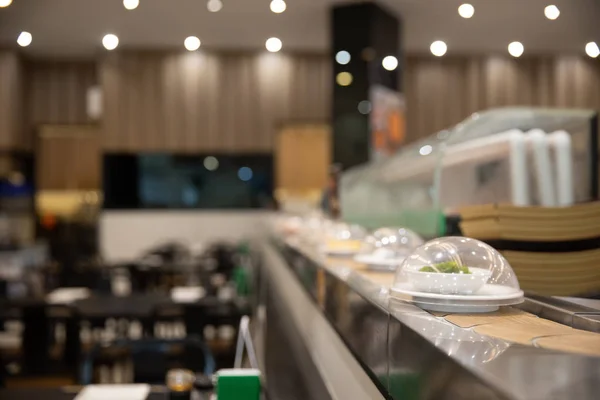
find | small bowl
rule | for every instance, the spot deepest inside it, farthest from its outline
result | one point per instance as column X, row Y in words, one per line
column 442, row 283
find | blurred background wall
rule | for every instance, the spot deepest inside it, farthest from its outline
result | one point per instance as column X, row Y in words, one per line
column 207, row 102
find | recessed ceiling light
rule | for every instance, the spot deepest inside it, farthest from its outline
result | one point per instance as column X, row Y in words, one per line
column 516, row 49
column 390, row 63
column 110, row 41
column 438, row 48
column 5, row 3
column 273, row 44
column 344, row 78
column 131, row 4
column 278, row 6
column 592, row 49
column 342, row 57
column 466, row 10
column 551, row 12
column 24, row 39
column 192, row 43
column 214, row 5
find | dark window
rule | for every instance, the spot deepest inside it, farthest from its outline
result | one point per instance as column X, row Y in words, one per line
column 175, row 181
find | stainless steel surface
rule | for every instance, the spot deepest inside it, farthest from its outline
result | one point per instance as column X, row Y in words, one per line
column 590, row 303
column 566, row 311
column 291, row 285
column 411, row 354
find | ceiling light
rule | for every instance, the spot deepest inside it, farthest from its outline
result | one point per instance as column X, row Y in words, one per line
column 110, row 41
column 390, row 63
column 273, row 44
column 192, row 43
column 278, row 6
column 24, row 39
column 552, row 12
column 214, row 5
column 5, row 3
column 342, row 57
column 466, row 10
column 592, row 49
column 516, row 49
column 438, row 48
column 344, row 78
column 131, row 4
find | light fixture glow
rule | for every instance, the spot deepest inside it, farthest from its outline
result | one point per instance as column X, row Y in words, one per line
column 466, row 10
column 516, row 49
column 24, row 39
column 551, row 12
column 390, row 63
column 273, row 44
column 214, row 5
column 5, row 3
column 438, row 48
column 245, row 174
column 592, row 49
column 426, row 150
column 191, row 43
column 211, row 163
column 344, row 78
column 342, row 57
column 110, row 41
column 278, row 6
column 131, row 4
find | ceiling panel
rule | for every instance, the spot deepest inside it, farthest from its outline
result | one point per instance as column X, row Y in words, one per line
column 75, row 27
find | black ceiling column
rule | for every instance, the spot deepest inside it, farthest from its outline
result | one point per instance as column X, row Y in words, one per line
column 369, row 34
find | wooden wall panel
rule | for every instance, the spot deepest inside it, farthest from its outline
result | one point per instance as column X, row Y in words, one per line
column 302, row 156
column 208, row 102
column 233, row 102
column 56, row 93
column 11, row 104
column 68, row 158
column 442, row 92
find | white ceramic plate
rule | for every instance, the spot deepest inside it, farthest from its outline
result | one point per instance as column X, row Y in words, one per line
column 489, row 298
column 489, row 292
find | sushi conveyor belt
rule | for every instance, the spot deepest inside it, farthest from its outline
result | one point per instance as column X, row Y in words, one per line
column 404, row 352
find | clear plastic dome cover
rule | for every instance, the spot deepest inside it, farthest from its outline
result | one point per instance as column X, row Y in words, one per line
column 343, row 238
column 313, row 227
column 458, row 271
column 386, row 248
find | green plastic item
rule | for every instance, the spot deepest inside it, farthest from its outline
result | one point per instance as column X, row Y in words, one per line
column 238, row 384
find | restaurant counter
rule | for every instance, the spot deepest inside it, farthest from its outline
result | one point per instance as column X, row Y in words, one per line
column 355, row 341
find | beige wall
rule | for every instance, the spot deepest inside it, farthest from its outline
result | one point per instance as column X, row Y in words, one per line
column 226, row 101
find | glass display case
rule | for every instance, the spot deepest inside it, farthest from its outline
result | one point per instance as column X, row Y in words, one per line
column 519, row 156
